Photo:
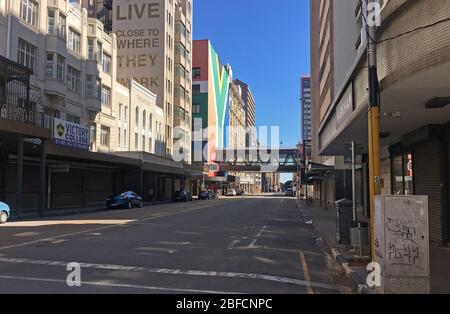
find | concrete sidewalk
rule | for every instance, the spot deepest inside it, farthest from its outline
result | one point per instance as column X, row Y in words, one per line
column 324, row 222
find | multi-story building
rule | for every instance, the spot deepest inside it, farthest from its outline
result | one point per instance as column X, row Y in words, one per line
column 155, row 49
column 250, row 126
column 330, row 54
column 271, row 182
column 211, row 93
column 415, row 115
column 305, row 87
column 250, row 113
column 237, row 134
column 61, row 102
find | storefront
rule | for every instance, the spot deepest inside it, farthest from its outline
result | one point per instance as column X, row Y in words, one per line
column 420, row 165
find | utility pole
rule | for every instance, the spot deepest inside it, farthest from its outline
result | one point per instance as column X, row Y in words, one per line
column 373, row 125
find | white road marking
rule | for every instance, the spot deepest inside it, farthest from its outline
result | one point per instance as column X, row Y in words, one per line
column 200, row 273
column 257, row 247
column 188, row 233
column 26, row 234
column 156, row 249
column 112, row 285
column 173, row 243
column 253, row 243
column 233, row 243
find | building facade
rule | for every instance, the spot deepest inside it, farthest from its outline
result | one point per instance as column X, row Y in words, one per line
column 336, row 37
column 415, row 114
column 211, row 95
column 65, row 118
column 305, row 88
column 155, row 49
column 250, row 126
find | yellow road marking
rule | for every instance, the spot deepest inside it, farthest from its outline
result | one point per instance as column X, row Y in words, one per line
column 306, row 273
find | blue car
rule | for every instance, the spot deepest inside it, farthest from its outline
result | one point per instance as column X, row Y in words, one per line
column 125, row 200
column 4, row 212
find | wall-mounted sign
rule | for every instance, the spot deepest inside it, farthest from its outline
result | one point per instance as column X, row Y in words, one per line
column 345, row 106
column 70, row 134
column 211, row 167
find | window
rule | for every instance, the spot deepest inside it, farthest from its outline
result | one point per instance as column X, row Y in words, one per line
column 195, row 89
column 72, row 118
column 26, row 54
column 60, row 67
column 119, row 135
column 106, row 96
column 137, row 116
column 106, row 63
column 143, row 143
column 136, row 141
column 73, row 78
column 402, row 173
column 144, row 119
column 93, row 86
column 120, row 111
column 99, row 52
column 104, row 136
column 91, row 52
column 196, row 108
column 90, row 85
column 50, row 64
column 125, row 138
column 74, row 41
column 150, row 124
column 62, row 26
column 29, row 12
column 125, row 114
column 196, row 73
column 51, row 22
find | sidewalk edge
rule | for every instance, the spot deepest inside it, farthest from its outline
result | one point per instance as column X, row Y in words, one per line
column 362, row 288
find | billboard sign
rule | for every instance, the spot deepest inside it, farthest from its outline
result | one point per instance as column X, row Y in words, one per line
column 70, row 134
column 139, row 27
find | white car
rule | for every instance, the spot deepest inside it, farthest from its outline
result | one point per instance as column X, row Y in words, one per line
column 231, row 192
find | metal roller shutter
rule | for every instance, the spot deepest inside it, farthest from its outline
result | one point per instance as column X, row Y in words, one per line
column 428, row 182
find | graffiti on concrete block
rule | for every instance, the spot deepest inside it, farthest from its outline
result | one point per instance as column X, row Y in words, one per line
column 403, row 248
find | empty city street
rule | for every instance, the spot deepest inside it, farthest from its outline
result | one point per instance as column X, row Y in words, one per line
column 235, row 245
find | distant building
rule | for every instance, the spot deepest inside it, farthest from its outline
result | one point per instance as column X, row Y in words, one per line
column 306, row 113
column 211, row 94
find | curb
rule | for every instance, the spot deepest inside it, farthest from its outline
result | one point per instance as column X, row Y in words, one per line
column 342, row 260
column 70, row 212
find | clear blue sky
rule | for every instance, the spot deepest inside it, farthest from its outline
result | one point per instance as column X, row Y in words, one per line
column 267, row 44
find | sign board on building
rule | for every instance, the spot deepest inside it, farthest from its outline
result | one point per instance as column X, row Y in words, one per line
column 211, row 167
column 402, row 244
column 345, row 107
column 70, row 134
column 139, row 27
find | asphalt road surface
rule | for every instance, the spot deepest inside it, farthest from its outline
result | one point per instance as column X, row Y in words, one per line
column 254, row 245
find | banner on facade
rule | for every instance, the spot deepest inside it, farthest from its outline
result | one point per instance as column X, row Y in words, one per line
column 70, row 134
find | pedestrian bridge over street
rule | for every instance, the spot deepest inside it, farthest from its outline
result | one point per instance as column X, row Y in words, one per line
column 282, row 160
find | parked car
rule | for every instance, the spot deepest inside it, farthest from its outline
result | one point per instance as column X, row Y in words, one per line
column 5, row 211
column 182, row 196
column 240, row 192
column 289, row 192
column 204, row 195
column 231, row 192
column 125, row 200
